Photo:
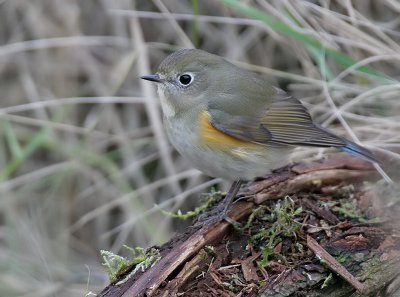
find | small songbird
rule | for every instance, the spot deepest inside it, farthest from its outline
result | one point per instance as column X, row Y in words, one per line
column 231, row 123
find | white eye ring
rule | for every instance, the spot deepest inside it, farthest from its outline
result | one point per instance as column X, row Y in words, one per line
column 185, row 79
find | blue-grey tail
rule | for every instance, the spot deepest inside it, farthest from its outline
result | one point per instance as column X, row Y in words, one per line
column 359, row 151
column 310, row 134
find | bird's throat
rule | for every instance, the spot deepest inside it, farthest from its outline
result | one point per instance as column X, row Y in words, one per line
column 169, row 110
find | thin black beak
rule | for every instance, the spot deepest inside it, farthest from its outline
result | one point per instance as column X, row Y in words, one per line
column 152, row 77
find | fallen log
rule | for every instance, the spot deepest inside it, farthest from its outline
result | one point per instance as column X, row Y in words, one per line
column 307, row 228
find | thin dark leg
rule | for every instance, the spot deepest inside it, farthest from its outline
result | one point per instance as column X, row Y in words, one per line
column 233, row 190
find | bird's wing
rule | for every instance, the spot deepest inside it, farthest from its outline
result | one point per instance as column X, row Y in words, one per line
column 289, row 122
column 241, row 107
column 285, row 120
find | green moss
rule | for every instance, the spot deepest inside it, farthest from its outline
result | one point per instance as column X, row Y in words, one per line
column 341, row 258
column 207, row 200
column 349, row 210
column 282, row 224
column 116, row 265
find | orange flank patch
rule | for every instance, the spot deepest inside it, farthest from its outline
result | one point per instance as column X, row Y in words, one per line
column 213, row 137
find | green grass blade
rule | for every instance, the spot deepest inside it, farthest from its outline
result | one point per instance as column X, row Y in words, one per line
column 308, row 40
column 17, row 160
column 12, row 141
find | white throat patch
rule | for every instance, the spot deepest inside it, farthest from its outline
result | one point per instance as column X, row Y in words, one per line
column 167, row 108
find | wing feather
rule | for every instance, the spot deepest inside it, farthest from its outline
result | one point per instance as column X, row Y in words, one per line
column 284, row 121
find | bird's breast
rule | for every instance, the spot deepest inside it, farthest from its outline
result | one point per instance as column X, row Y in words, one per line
column 218, row 154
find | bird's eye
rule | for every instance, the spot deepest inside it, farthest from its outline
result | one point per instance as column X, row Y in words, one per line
column 185, row 79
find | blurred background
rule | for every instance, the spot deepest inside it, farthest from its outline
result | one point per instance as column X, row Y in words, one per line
column 83, row 155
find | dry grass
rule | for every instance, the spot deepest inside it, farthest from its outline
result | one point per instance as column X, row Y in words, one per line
column 83, row 156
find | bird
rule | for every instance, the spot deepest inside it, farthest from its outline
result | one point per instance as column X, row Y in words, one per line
column 232, row 123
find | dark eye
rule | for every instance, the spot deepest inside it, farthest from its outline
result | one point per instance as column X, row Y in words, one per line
column 185, row 79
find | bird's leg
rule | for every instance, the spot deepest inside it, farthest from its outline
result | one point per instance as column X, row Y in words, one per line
column 233, row 190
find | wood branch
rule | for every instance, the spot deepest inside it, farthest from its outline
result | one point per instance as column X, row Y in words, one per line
column 182, row 256
column 333, row 264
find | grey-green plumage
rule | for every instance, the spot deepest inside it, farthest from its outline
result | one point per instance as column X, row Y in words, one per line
column 241, row 104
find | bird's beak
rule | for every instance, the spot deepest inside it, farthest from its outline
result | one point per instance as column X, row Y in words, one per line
column 152, row 77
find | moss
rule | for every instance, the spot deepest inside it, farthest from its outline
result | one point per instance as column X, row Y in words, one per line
column 206, row 201
column 282, row 223
column 116, row 266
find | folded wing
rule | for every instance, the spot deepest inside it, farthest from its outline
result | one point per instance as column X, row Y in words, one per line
column 284, row 121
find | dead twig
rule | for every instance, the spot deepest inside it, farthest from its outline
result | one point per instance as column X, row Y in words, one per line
column 334, row 265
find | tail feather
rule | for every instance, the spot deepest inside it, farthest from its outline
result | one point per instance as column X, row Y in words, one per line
column 351, row 147
column 359, row 151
